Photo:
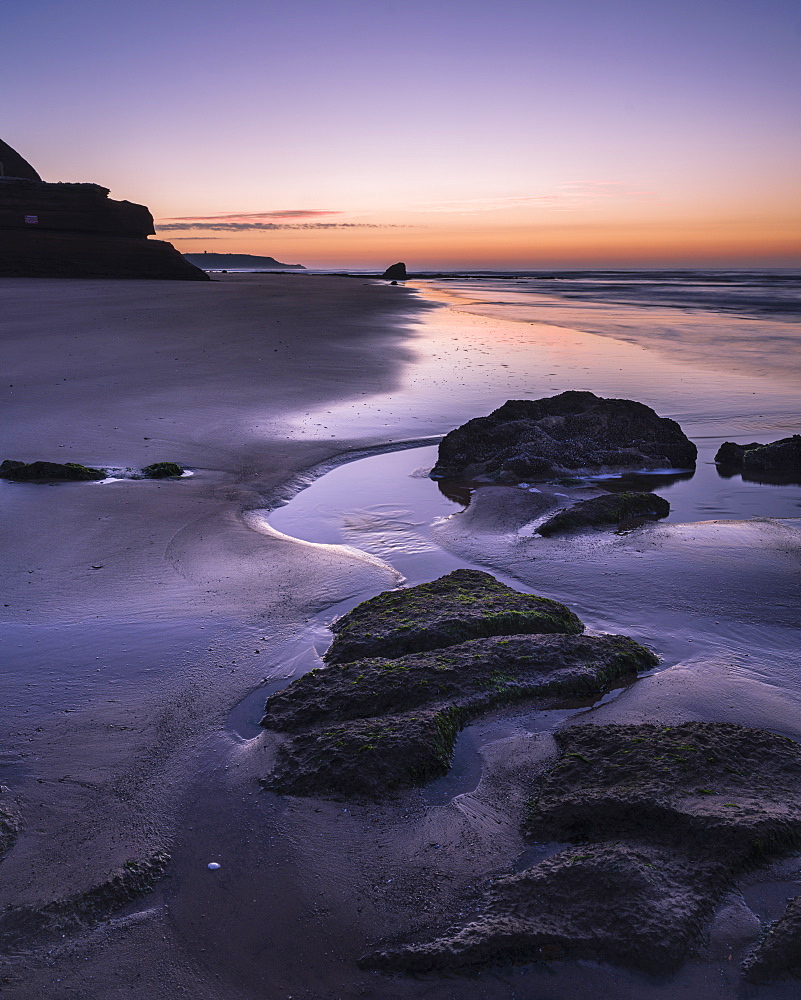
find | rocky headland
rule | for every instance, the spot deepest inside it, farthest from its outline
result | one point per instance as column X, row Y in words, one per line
column 60, row 230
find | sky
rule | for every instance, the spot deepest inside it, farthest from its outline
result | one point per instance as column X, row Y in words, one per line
column 445, row 133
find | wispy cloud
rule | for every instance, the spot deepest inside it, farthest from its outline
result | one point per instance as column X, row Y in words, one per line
column 563, row 197
column 241, row 227
column 240, row 222
column 285, row 213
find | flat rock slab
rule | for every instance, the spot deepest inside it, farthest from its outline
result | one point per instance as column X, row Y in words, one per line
column 778, row 954
column 635, row 905
column 666, row 817
column 571, row 434
column 694, row 784
column 613, row 508
column 369, row 727
column 465, row 604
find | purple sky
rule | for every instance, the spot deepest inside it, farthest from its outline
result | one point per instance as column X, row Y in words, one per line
column 447, row 133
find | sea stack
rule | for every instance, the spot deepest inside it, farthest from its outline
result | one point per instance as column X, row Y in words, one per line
column 60, row 230
column 396, row 272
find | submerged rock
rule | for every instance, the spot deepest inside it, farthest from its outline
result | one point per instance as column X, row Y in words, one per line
column 396, row 271
column 574, row 433
column 777, row 458
column 675, row 813
column 43, row 472
column 778, row 954
column 23, row 926
column 465, row 604
column 613, row 508
column 374, row 725
column 162, row 470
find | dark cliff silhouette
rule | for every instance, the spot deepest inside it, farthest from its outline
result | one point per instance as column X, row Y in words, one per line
column 76, row 231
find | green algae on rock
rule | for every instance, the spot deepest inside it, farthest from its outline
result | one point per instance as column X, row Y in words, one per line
column 162, row 470
column 613, row 508
column 465, row 604
column 666, row 817
column 369, row 727
column 691, row 783
column 45, row 472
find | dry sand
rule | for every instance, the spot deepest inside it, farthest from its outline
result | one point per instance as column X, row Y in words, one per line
column 122, row 680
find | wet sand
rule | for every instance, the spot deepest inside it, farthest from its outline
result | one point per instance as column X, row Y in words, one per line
column 124, row 735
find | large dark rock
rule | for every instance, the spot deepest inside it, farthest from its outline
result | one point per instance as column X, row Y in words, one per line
column 574, row 433
column 396, row 272
column 778, row 954
column 778, row 458
column 613, row 508
column 375, row 725
column 76, row 231
column 465, row 604
column 47, row 472
column 666, row 817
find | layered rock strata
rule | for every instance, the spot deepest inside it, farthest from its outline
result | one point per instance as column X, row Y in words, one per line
column 377, row 723
column 664, row 818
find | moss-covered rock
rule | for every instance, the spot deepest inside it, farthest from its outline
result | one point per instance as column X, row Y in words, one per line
column 613, row 508
column 569, row 434
column 693, row 784
column 46, row 472
column 162, row 470
column 631, row 904
column 778, row 954
column 782, row 457
column 366, row 758
column 666, row 817
column 369, row 727
column 465, row 604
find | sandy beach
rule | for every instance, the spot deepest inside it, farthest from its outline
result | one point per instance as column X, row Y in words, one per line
column 141, row 616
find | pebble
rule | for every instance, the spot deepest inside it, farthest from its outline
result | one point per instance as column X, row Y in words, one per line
column 213, row 866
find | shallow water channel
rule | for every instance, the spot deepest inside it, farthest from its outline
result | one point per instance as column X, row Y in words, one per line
column 386, row 505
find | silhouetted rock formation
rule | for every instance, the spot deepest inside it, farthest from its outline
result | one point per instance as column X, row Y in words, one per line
column 77, row 231
column 14, row 165
column 574, row 433
column 396, row 271
column 218, row 261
